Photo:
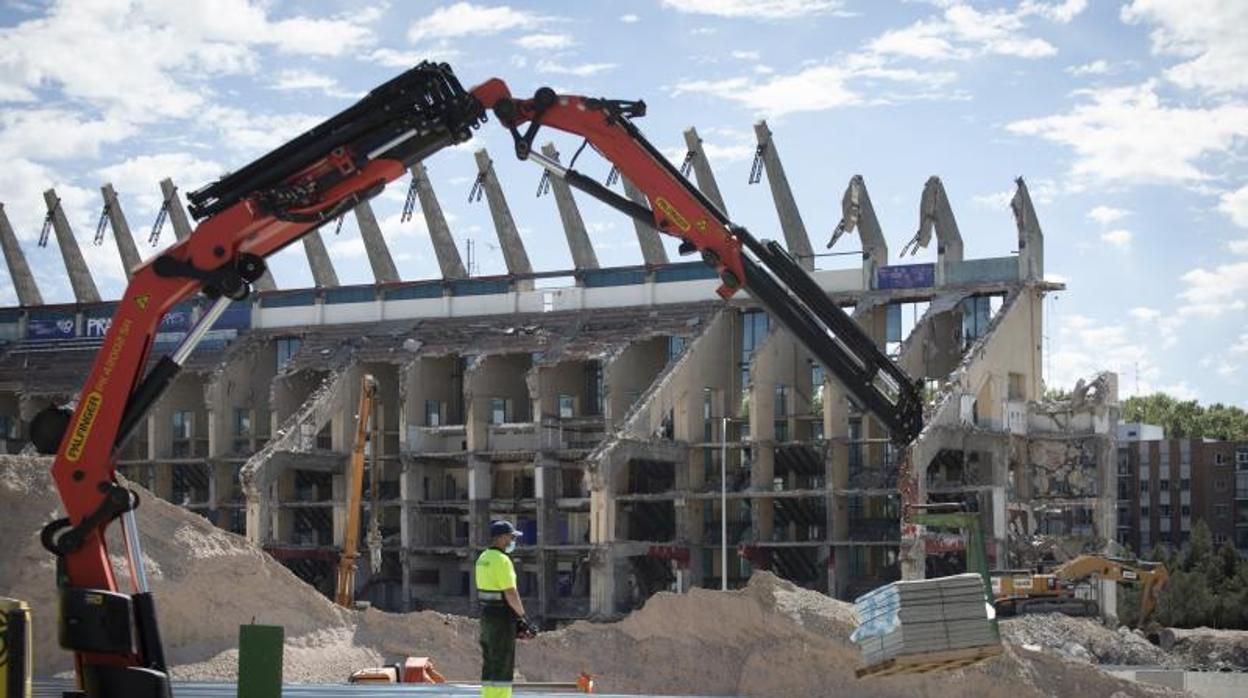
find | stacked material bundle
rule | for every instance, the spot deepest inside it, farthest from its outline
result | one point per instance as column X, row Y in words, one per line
column 922, row 617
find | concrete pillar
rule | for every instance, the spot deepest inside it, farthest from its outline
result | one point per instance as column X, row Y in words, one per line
column 702, row 169
column 1030, row 238
column 795, row 238
column 384, row 271
column 177, row 214
column 130, row 259
column 652, row 251
column 75, row 266
column 23, row 281
column 936, row 213
column 439, row 232
column 516, row 258
column 323, row 274
column 480, row 492
column 857, row 212
column 583, row 256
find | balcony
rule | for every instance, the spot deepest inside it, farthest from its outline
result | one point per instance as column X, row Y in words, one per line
column 446, row 439
column 517, row 436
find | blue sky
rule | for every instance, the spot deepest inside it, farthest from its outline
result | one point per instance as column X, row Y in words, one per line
column 1129, row 120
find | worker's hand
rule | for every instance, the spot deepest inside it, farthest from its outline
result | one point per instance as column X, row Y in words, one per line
column 525, row 629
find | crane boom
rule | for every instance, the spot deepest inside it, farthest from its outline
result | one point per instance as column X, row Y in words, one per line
column 312, row 180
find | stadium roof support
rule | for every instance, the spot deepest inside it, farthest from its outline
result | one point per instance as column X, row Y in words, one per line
column 130, row 258
column 323, row 274
column 652, row 251
column 795, row 237
column 702, row 169
column 516, row 258
column 439, row 232
column 75, row 266
column 582, row 249
column 23, row 281
column 384, row 271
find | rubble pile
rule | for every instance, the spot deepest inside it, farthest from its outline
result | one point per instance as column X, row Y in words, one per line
column 1206, row 649
column 769, row 639
column 1083, row 639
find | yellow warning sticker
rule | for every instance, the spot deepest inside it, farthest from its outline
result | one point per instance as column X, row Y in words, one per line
column 78, row 437
column 141, row 301
column 667, row 208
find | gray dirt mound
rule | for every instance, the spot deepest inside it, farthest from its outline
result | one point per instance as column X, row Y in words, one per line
column 1083, row 637
column 770, row 639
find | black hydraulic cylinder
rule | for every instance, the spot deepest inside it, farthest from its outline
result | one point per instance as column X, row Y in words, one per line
column 142, row 399
column 149, row 631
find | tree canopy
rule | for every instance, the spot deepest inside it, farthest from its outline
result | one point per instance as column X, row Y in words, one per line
column 1187, row 419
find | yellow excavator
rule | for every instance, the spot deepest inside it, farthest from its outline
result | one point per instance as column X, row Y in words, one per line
column 355, row 494
column 1025, row 592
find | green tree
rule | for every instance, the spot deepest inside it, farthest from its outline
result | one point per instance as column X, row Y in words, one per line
column 1187, row 419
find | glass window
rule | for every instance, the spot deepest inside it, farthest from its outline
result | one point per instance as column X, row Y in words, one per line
column 1164, row 485
column 1221, row 511
column 567, row 406
column 675, row 345
column 782, row 400
column 593, row 387
column 1163, row 510
column 1185, row 484
column 1219, row 485
column 433, row 413
column 1185, row 510
column 242, row 422
column 8, row 427
column 498, row 410
column 1144, row 513
column 286, row 348
column 1143, row 486
column 1241, row 459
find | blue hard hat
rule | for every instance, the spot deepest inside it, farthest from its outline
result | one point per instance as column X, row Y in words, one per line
column 502, row 528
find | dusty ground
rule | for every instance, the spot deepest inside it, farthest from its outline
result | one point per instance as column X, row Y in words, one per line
column 770, row 639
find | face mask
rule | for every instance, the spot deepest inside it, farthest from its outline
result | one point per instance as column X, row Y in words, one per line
column 511, row 547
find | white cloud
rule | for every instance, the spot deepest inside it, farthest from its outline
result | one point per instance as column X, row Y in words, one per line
column 818, row 87
column 962, row 32
column 1106, row 215
column 629, row 18
column 1095, row 68
column 1061, row 12
column 1238, row 246
column 57, row 134
column 299, row 79
column 1211, row 292
column 466, row 19
column 137, row 179
column 1241, row 345
column 1127, row 134
column 393, row 58
column 545, row 42
column 755, row 9
column 1144, row 313
column 1235, row 205
column 1212, row 35
column 148, row 61
column 745, row 55
column 1042, row 191
column 580, row 70
column 1118, row 238
column 250, row 133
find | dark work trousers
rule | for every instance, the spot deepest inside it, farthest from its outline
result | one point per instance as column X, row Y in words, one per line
column 498, row 644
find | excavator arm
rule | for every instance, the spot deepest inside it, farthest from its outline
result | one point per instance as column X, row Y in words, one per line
column 345, row 595
column 317, row 177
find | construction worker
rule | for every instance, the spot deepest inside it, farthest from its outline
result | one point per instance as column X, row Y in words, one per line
column 502, row 612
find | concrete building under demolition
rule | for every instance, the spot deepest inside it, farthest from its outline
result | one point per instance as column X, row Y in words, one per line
column 610, row 412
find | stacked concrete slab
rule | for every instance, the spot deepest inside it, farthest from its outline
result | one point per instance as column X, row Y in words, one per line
column 924, row 617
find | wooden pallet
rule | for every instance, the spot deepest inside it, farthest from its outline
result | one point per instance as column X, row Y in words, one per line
column 926, row 662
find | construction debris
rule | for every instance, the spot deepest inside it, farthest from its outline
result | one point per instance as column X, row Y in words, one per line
column 771, row 638
column 1206, row 649
column 1083, row 639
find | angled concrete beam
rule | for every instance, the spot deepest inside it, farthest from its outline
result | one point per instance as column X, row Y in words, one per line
column 857, row 212
column 652, row 251
column 1030, row 238
column 516, row 258
column 935, row 213
column 323, row 274
column 444, row 248
column 75, row 266
column 583, row 256
column 384, row 271
column 795, row 237
column 702, row 169
column 23, row 281
column 177, row 214
column 130, row 259
column 182, row 226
